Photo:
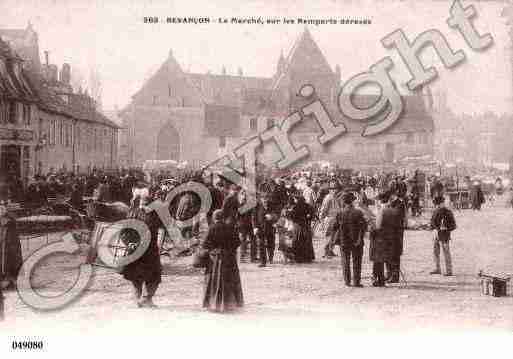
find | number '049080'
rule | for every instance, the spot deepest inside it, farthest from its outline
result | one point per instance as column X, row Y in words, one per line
column 27, row 345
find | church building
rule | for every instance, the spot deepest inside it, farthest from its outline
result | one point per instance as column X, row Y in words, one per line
column 193, row 117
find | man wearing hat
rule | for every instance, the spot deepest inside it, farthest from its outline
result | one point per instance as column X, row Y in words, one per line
column 263, row 221
column 331, row 206
column 350, row 226
column 393, row 265
column 231, row 205
column 384, row 239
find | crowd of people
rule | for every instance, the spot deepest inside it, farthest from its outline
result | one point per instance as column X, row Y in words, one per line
column 288, row 210
column 344, row 207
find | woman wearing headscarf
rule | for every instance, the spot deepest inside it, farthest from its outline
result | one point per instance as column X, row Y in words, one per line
column 223, row 289
column 147, row 270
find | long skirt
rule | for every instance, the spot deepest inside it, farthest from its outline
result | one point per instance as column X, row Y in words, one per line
column 302, row 245
column 223, row 289
column 11, row 258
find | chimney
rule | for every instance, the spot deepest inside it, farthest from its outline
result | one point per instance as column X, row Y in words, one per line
column 223, row 71
column 239, row 71
column 53, row 73
column 65, row 74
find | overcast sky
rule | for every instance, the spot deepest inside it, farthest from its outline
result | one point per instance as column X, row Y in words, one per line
column 111, row 36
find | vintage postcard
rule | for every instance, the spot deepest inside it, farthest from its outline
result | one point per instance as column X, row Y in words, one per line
column 202, row 177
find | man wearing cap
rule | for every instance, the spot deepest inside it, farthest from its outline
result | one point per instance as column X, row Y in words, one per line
column 350, row 226
column 442, row 223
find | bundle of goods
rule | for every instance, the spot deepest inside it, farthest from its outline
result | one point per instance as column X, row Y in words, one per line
column 418, row 225
column 494, row 285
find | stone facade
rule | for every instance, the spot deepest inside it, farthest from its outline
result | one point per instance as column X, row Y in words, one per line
column 44, row 125
column 173, row 107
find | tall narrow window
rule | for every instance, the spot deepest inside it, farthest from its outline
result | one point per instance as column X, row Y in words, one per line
column 77, row 137
column 222, row 142
column 54, row 132
column 61, row 133
column 28, row 114
column 3, row 116
column 270, row 122
column 253, row 124
column 12, row 112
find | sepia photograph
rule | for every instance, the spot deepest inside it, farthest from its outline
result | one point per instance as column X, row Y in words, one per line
column 203, row 177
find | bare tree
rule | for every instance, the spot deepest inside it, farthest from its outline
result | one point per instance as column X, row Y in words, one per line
column 77, row 79
column 95, row 86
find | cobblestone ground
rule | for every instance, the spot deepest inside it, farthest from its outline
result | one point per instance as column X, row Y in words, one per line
column 293, row 296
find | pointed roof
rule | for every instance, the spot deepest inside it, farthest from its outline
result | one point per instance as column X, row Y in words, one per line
column 304, row 55
column 170, row 69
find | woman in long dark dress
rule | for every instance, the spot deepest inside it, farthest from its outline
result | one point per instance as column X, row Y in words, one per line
column 147, row 270
column 223, row 290
column 302, row 214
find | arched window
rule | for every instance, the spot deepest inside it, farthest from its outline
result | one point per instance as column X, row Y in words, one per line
column 270, row 122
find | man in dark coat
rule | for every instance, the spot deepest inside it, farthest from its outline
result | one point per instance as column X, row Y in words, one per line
column 187, row 208
column 385, row 239
column 231, row 205
column 476, row 196
column 104, row 192
column 350, row 225
column 394, row 264
column 217, row 199
column 442, row 223
column 437, row 188
column 245, row 230
column 11, row 258
column 146, row 270
column 264, row 218
column 38, row 193
column 279, row 196
column 127, row 184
